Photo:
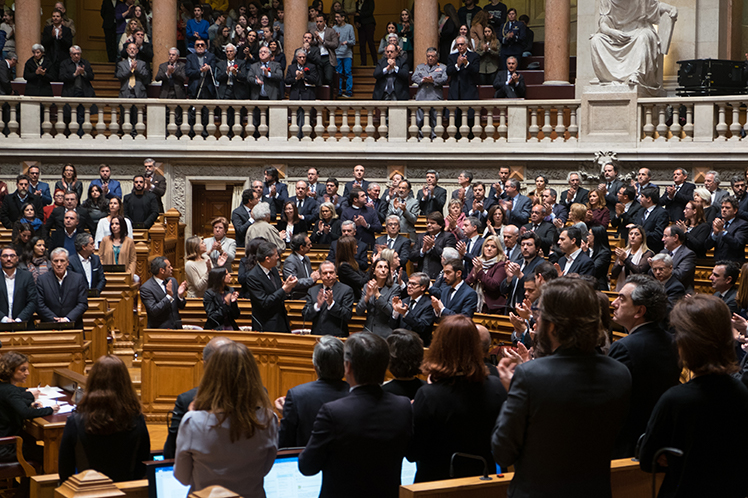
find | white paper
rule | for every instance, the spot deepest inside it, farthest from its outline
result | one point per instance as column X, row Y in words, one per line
column 65, row 409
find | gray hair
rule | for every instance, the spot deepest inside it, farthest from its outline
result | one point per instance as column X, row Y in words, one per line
column 716, row 176
column 12, row 56
column 368, row 356
column 59, row 250
column 229, row 45
column 328, row 358
column 705, row 195
column 514, row 183
column 346, row 223
column 392, row 217
column 431, row 50
column 568, row 177
column 261, row 211
column 330, row 206
column 474, row 221
column 75, row 47
column 392, row 35
column 665, row 258
column 299, row 51
column 149, row 160
column 423, row 278
column 81, row 240
column 372, row 185
column 178, row 54
column 37, row 46
column 682, row 170
column 649, row 293
column 450, row 253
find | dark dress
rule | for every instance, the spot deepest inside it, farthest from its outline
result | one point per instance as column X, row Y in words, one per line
column 118, row 456
column 15, row 407
column 701, row 418
column 697, row 238
column 355, row 279
column 326, row 238
column 407, row 388
column 221, row 316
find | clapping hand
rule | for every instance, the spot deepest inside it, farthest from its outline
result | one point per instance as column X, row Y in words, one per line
column 399, row 306
column 289, row 284
column 524, row 309
column 222, row 259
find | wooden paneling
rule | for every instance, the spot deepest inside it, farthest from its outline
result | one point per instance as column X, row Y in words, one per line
column 89, row 35
column 209, row 204
column 46, row 351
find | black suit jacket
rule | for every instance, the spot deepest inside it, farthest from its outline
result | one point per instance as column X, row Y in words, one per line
column 196, row 77
column 475, row 251
column 268, row 301
column 601, row 261
column 358, row 442
column 547, row 233
column 514, row 289
column 399, row 84
column 730, row 245
column 462, row 302
column 56, row 220
column 677, row 204
column 181, row 407
column 57, row 49
column 310, row 209
column 67, row 301
column 582, row 197
column 419, row 318
column 611, row 198
column 24, row 297
column 10, row 211
column 401, row 246
column 173, row 83
column 349, row 186
column 39, row 85
column 305, row 88
column 551, row 401
column 98, row 279
column 654, row 226
column 684, row 266
column 330, row 321
column 650, row 355
column 434, row 203
column 301, row 407
column 463, row 83
column 5, row 79
column 361, row 257
column 510, row 91
column 240, row 220
column 431, row 262
column 162, row 313
column 66, row 74
column 583, row 265
column 633, row 215
column 241, row 88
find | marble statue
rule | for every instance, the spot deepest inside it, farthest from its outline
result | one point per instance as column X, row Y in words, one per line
column 626, row 47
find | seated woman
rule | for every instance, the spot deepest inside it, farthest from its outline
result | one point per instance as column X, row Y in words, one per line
column 103, row 229
column 31, row 219
column 96, row 204
column 107, row 432
column 599, row 245
column 495, row 223
column 196, row 266
column 598, row 213
column 59, row 199
column 246, row 264
column 406, row 356
column 290, row 222
column 22, row 235
column 345, row 262
column 35, row 259
column 220, row 301
column 16, row 405
column 486, row 277
column 327, row 228
column 118, row 248
column 696, row 228
column 376, row 302
column 455, row 218
column 700, row 416
column 231, row 436
column 457, row 410
column 632, row 260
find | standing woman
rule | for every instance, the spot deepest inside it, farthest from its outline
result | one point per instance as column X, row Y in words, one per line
column 35, row 259
column 290, row 221
column 345, row 262
column 399, row 274
column 405, row 32
column 107, row 432
column 495, row 224
column 29, row 218
column 328, row 226
column 220, row 301
column 196, row 267
column 455, row 218
column 448, row 26
column 488, row 50
column 231, row 436
column 599, row 252
column 598, row 213
column 632, row 260
column 22, row 235
column 541, row 182
column 457, row 410
column 118, row 248
column 59, row 199
column 696, row 228
column 704, row 198
column 699, row 417
column 16, row 405
column 69, row 181
column 366, row 24
column 479, row 21
column 486, row 277
column 376, row 303
column 103, row 228
column 96, row 204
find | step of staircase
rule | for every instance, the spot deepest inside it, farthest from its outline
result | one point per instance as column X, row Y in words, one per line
column 104, row 83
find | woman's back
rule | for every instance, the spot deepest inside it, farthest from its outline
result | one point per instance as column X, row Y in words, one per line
column 206, row 455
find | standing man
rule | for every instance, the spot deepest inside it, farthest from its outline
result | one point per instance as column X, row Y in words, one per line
column 359, row 441
column 545, row 230
column 329, row 305
column 430, row 78
column 471, row 247
column 241, row 217
column 678, row 194
column 85, row 262
column 465, row 192
column 298, row 265
column 110, row 188
column 358, row 180
column 172, row 75
column 454, row 296
column 652, row 217
column 199, row 71
column 393, row 240
column 313, row 185
column 267, row 293
column 426, row 254
column 141, row 206
column 344, row 54
column 463, row 67
column 391, row 75
column 516, row 206
column 571, row 390
column 57, row 39
column 432, row 197
column 109, row 25
column 10, row 211
column 65, row 237
column 514, row 285
column 729, row 233
column 625, row 211
column 70, row 203
column 302, row 78
column 18, row 297
column 415, row 312
column 76, row 76
column 366, row 218
column 197, row 29
column 231, row 75
column 405, row 206
column 155, row 182
column 264, row 78
column 711, row 183
column 684, row 259
column 647, row 351
column 327, row 41
column 724, row 276
column 575, row 193
column 133, row 75
column 162, row 296
column 611, row 186
column 553, row 210
column 38, row 189
column 307, row 207
column 574, row 259
column 644, row 180
column 63, row 294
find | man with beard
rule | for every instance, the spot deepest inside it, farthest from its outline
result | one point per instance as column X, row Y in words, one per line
column 141, row 206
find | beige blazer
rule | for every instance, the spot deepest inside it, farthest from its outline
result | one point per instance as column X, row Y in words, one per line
column 127, row 254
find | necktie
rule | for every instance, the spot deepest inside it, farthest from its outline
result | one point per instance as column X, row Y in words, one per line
column 131, row 82
column 469, row 246
column 449, row 297
column 535, row 227
column 646, row 215
column 390, row 243
column 670, row 253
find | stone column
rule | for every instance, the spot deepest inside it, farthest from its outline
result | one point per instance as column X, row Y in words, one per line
column 164, row 31
column 425, row 30
column 294, row 26
column 29, row 20
column 557, row 13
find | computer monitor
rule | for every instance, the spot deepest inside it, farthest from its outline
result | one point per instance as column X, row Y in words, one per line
column 285, row 480
column 161, row 481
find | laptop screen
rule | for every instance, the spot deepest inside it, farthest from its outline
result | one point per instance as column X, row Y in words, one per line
column 162, row 483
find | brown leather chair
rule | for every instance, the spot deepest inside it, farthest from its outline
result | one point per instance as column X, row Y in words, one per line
column 9, row 471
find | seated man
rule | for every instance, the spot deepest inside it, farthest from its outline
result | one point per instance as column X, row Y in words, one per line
column 329, row 305
column 63, row 295
column 348, row 229
column 267, row 293
column 162, row 296
column 66, row 237
column 454, row 296
column 509, row 84
column 141, row 206
column 302, row 403
column 19, row 307
column 219, row 244
column 85, row 262
column 297, row 264
column 415, row 312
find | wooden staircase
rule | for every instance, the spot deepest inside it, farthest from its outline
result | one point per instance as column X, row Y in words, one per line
column 104, row 83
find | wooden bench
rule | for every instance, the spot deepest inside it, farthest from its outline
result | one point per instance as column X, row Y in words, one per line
column 47, row 350
column 98, row 321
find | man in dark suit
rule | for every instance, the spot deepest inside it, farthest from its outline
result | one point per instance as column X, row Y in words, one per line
column 86, row 263
column 241, row 217
column 678, row 194
column 56, row 220
column 652, row 217
column 301, row 404
column 297, row 264
column 574, row 260
column 359, row 441
column 724, row 276
column 509, row 84
column 39, row 73
column 57, row 39
column 182, row 404
column 199, row 71
column 574, row 193
column 611, row 185
column 264, row 78
column 737, row 183
column 231, row 75
column 267, row 293
column 513, row 249
column 24, row 291
column 141, row 206
column 554, row 210
column 348, row 229
column 454, row 296
column 391, row 75
column 76, row 75
column 63, row 295
column 426, row 253
column 463, row 67
column 711, row 183
column 513, row 286
column 358, row 180
column 684, row 259
column 545, row 230
column 328, row 39
column 109, row 25
column 329, row 305
column 161, row 297
column 516, row 205
column 729, row 233
column 626, row 212
column 172, row 75
column 472, row 245
column 571, row 390
column 648, row 351
column 366, row 218
column 432, row 197
column 393, row 240
column 145, row 49
column 662, row 269
column 155, row 182
column 133, row 75
column 415, row 312
column 480, row 204
column 302, row 77
column 308, row 207
column 11, row 209
column 66, row 236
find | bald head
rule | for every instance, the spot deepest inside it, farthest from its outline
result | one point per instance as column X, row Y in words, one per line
column 213, row 345
column 485, row 337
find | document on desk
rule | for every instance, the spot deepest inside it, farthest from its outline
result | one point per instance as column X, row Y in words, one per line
column 65, row 408
column 51, row 392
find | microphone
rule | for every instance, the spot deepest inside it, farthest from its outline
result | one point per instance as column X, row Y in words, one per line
column 474, row 457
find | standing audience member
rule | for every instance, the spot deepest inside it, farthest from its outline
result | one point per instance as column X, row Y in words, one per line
column 662, row 270
column 18, row 297
column 391, row 75
column 348, row 263
column 12, row 206
column 141, row 206
column 35, row 259
column 327, row 228
column 109, row 187
column 696, row 228
column 376, row 301
column 57, row 39
column 219, row 301
column 486, row 275
column 684, row 259
column 56, row 219
column 103, row 228
column 344, row 54
column 69, row 181
column 220, row 247
column 298, row 264
column 133, row 75
column 267, row 293
column 96, row 204
column 196, row 267
column 632, row 260
column 427, row 249
column 241, row 217
column 62, row 293
column 329, row 305
column 488, row 50
column 162, row 296
column 454, row 296
column 85, row 262
column 574, row 259
column 406, row 356
column 366, row 24
column 38, row 188
column 724, row 277
column 729, row 233
column 172, row 75
column 513, row 35
column 678, row 194
column 262, row 228
column 39, row 73
column 327, row 40
column 155, row 182
column 118, row 248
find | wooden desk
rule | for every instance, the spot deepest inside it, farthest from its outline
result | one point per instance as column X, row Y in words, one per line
column 49, row 429
column 47, row 350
